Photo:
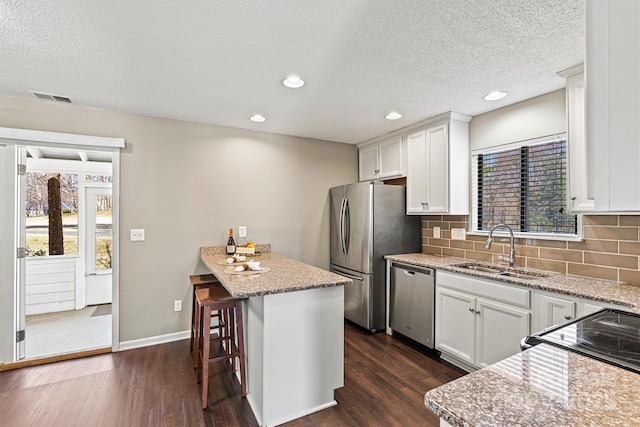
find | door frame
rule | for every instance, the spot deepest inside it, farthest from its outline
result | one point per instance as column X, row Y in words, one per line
column 88, row 228
column 12, row 136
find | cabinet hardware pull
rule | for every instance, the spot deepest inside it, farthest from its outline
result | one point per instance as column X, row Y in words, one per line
column 471, row 309
column 477, row 311
column 573, row 197
column 566, row 316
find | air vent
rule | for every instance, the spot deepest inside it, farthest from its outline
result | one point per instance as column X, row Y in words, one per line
column 50, row 97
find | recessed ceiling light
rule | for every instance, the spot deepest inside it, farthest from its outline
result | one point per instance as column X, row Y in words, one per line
column 393, row 116
column 293, row 82
column 259, row 118
column 495, row 95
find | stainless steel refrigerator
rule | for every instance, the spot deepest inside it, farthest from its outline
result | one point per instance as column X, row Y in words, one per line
column 368, row 221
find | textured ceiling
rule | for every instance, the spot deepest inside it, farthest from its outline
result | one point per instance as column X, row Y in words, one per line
column 219, row 62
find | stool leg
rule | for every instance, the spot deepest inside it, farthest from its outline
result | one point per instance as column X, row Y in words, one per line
column 193, row 322
column 232, row 338
column 241, row 356
column 206, row 344
column 198, row 333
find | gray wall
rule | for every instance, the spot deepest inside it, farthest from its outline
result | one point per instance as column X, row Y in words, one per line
column 533, row 118
column 186, row 184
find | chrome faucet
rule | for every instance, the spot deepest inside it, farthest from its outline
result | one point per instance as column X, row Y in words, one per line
column 512, row 252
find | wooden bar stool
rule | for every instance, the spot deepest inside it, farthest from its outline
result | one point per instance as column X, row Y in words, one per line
column 200, row 281
column 216, row 297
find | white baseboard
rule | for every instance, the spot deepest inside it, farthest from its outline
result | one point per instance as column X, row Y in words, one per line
column 158, row 339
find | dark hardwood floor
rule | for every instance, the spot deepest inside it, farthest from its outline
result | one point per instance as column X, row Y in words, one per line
column 385, row 382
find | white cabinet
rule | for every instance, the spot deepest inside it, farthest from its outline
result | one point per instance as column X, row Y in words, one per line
column 499, row 330
column 455, row 323
column 613, row 104
column 553, row 309
column 479, row 322
column 578, row 199
column 381, row 160
column 438, row 167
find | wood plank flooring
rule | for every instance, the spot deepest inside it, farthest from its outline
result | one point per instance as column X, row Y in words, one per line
column 385, row 382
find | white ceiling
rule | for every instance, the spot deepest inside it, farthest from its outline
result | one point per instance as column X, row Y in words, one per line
column 219, row 62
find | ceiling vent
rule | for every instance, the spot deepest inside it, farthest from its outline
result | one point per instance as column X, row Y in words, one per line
column 50, row 97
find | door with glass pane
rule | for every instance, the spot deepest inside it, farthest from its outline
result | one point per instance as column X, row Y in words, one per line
column 99, row 248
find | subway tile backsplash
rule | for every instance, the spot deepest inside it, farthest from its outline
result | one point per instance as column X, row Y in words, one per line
column 610, row 248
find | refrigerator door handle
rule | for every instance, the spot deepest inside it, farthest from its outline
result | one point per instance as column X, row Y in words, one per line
column 342, row 231
column 347, row 221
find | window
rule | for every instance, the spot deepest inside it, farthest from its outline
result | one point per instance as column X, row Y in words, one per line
column 524, row 186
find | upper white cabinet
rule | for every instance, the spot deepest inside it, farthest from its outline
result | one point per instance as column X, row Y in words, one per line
column 381, row 160
column 578, row 199
column 438, row 166
column 612, row 72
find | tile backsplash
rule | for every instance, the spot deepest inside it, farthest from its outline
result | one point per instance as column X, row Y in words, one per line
column 610, row 248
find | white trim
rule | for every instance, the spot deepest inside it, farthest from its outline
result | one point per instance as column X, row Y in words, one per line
column 158, row 339
column 68, row 166
column 27, row 136
column 115, row 264
column 519, row 144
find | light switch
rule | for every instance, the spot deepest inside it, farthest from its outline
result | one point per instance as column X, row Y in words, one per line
column 137, row 234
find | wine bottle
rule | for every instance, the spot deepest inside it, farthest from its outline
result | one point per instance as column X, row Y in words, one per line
column 231, row 244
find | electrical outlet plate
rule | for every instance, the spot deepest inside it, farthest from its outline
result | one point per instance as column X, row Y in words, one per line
column 242, row 231
column 177, row 305
column 458, row 234
column 137, row 234
column 436, row 232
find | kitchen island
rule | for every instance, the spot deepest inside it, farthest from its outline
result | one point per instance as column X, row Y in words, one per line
column 542, row 386
column 294, row 333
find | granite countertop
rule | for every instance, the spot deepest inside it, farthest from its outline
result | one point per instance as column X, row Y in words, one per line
column 542, row 386
column 626, row 294
column 284, row 275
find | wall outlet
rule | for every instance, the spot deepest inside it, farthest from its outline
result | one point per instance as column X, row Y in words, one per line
column 242, row 231
column 458, row 234
column 137, row 234
column 177, row 305
column 436, row 232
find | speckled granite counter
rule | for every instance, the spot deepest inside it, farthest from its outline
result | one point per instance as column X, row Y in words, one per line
column 285, row 275
column 294, row 340
column 626, row 294
column 542, row 386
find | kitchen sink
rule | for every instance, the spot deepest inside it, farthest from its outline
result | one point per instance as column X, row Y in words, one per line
column 480, row 267
column 523, row 274
column 501, row 271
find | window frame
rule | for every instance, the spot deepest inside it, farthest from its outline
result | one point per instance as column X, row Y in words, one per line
column 474, row 217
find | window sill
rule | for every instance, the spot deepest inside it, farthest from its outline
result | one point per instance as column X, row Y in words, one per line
column 529, row 236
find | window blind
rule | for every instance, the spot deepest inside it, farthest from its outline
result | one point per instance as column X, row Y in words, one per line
column 523, row 186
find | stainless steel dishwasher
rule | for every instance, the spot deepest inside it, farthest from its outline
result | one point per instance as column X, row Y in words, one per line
column 412, row 300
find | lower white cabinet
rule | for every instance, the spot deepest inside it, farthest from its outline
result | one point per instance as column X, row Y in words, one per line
column 499, row 330
column 475, row 323
column 553, row 309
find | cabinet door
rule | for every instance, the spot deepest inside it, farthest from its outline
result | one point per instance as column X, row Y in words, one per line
column 577, row 192
column 437, row 184
column 416, row 172
column 499, row 330
column 455, row 324
column 391, row 158
column 553, row 310
column 368, row 166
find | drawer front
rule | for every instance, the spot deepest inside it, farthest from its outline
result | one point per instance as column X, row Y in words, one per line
column 510, row 294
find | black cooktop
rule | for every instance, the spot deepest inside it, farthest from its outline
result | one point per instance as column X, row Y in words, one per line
column 609, row 335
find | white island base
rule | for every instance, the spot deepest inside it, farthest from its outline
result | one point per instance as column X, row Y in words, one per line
column 295, row 352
